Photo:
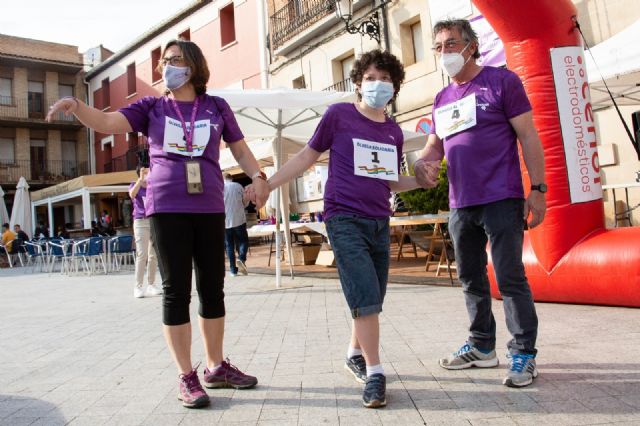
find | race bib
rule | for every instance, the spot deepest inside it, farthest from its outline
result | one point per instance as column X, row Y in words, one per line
column 456, row 117
column 175, row 141
column 375, row 160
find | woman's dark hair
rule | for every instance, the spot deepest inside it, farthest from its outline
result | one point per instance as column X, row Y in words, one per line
column 465, row 29
column 383, row 61
column 194, row 59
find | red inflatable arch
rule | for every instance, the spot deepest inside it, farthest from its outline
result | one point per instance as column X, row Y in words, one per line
column 571, row 257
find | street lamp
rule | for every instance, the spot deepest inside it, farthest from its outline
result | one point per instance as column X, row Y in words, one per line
column 370, row 25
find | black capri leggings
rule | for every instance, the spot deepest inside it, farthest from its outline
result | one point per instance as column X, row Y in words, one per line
column 183, row 239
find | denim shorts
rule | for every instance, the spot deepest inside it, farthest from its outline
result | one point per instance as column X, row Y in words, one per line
column 361, row 249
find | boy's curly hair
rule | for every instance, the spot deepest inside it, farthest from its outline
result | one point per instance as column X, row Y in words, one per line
column 382, row 60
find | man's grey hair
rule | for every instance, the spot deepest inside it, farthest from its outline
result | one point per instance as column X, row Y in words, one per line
column 464, row 26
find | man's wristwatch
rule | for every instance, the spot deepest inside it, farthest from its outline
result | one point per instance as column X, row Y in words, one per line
column 259, row 175
column 541, row 187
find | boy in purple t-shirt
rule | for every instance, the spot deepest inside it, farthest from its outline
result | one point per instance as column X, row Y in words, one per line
column 364, row 166
column 477, row 121
column 184, row 201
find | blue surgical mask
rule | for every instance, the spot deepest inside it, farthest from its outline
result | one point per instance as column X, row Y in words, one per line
column 175, row 77
column 377, row 94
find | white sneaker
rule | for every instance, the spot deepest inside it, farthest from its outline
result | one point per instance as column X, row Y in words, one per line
column 242, row 268
column 138, row 292
column 154, row 290
column 232, row 274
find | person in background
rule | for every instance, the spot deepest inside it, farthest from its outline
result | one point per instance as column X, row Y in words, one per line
column 7, row 237
column 364, row 167
column 20, row 233
column 235, row 222
column 41, row 231
column 478, row 121
column 62, row 232
column 185, row 204
column 145, row 253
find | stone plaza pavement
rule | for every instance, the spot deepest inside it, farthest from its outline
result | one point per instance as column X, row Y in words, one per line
column 82, row 351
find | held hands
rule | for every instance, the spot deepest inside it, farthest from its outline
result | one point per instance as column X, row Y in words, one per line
column 68, row 105
column 536, row 205
column 426, row 172
column 257, row 192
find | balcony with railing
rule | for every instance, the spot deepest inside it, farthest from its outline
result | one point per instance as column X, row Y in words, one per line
column 296, row 16
column 43, row 172
column 341, row 86
column 125, row 162
column 12, row 108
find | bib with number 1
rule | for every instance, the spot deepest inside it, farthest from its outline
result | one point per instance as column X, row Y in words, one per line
column 456, row 116
column 375, row 160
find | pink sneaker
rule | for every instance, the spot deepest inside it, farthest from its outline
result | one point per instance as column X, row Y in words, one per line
column 190, row 391
column 228, row 376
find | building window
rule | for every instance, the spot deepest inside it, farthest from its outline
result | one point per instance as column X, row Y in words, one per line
column 155, row 61
column 6, row 91
column 38, row 156
column 299, row 83
column 106, row 95
column 69, row 163
column 227, row 25
column 36, row 99
column 65, row 90
column 417, row 44
column 131, row 79
column 346, row 64
column 411, row 41
column 7, row 151
column 185, row 35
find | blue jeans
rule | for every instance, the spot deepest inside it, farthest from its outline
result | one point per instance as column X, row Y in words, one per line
column 361, row 249
column 238, row 233
column 501, row 224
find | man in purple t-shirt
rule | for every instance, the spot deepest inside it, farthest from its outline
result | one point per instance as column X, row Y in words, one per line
column 478, row 120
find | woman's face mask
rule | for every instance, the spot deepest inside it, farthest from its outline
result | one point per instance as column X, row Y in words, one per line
column 377, row 94
column 453, row 62
column 175, row 77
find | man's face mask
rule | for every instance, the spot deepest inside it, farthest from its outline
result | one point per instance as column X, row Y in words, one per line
column 453, row 62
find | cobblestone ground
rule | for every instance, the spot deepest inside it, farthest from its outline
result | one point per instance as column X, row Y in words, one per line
column 82, row 351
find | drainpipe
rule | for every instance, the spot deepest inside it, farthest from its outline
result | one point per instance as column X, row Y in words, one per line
column 262, row 44
column 90, row 134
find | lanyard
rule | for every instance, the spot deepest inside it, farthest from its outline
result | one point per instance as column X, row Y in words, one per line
column 188, row 135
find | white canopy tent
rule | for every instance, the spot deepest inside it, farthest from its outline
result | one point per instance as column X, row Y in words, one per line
column 617, row 60
column 278, row 123
column 21, row 211
column 277, row 114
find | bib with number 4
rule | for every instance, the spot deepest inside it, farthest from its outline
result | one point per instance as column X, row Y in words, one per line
column 456, row 116
column 375, row 160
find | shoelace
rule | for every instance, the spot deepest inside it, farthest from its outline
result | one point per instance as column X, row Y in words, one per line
column 518, row 362
column 233, row 368
column 377, row 383
column 463, row 350
column 191, row 380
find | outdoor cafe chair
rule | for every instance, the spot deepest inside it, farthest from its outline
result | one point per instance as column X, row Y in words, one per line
column 58, row 249
column 35, row 255
column 120, row 250
column 15, row 252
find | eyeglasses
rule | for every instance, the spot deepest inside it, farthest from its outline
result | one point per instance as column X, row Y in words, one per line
column 449, row 44
column 174, row 60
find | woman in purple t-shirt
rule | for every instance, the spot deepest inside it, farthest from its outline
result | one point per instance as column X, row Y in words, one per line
column 364, row 166
column 145, row 253
column 185, row 204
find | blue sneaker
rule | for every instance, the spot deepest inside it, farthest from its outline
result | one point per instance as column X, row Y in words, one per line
column 522, row 370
